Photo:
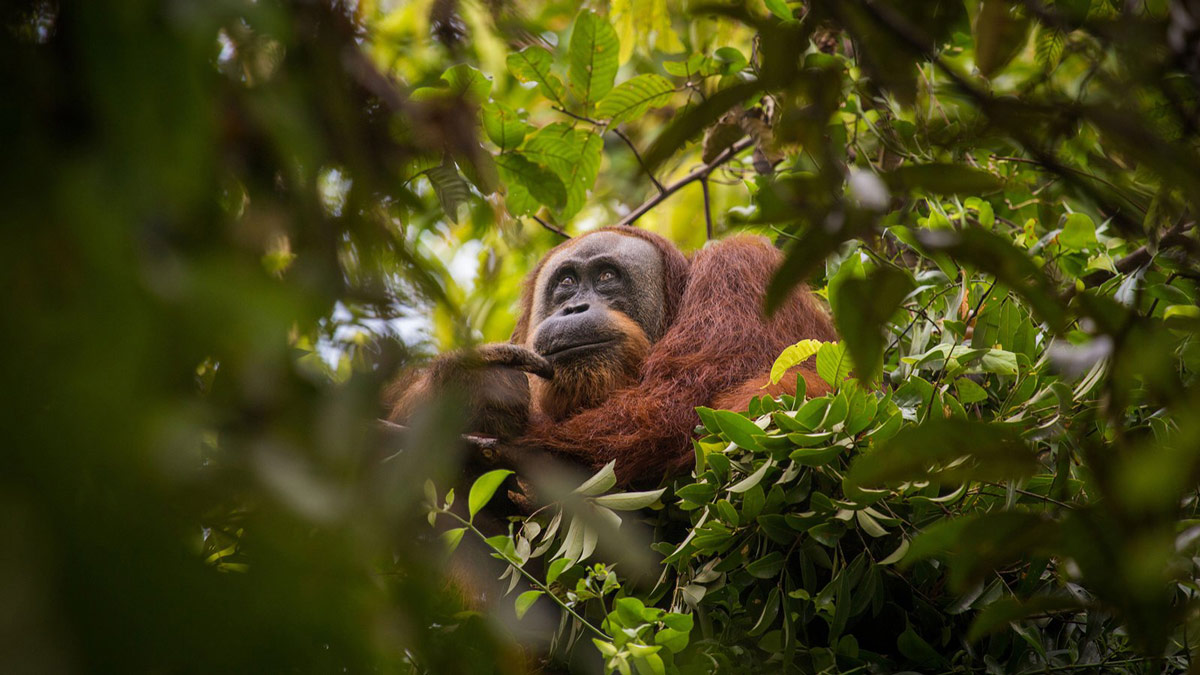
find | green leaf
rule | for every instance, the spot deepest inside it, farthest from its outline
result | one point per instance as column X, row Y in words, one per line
column 529, row 185
column 862, row 309
column 753, row 479
column 767, row 567
column 574, row 156
column 631, row 99
column 1049, row 47
column 946, row 179
column 833, row 363
column 792, row 357
column 484, row 488
column 969, row 392
column 739, row 429
column 593, row 54
column 556, row 568
column 674, row 640
column 601, row 482
column 780, row 9
column 468, row 82
column 504, row 126
column 769, row 614
column 897, row 555
column 630, row 501
column 937, row 448
column 1078, row 233
column 915, row 648
column 532, row 64
column 1001, row 29
column 451, row 538
column 525, row 601
column 1000, row 613
column 976, row 546
column 451, row 190
column 869, row 524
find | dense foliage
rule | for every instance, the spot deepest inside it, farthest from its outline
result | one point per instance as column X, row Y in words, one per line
column 230, row 222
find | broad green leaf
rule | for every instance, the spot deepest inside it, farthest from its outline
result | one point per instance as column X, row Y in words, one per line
column 642, row 25
column 556, row 568
column 978, row 545
column 1000, row 613
column 674, row 640
column 1049, row 47
column 629, row 501
column 1078, row 232
column 529, row 185
column 969, row 392
column 780, row 9
column 468, row 82
column 451, row 538
column 525, row 601
column 532, row 64
column 574, row 155
column 451, row 190
column 1001, row 29
column 767, row 567
column 594, row 58
column 915, row 648
column 601, row 482
column 792, row 357
column 739, row 429
column 504, row 126
column 862, row 310
column 632, row 98
column 833, row 363
column 484, row 488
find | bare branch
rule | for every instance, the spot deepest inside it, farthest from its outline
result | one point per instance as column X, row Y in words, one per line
column 697, row 174
column 559, row 231
column 708, row 225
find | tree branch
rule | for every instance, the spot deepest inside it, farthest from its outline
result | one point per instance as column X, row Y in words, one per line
column 559, row 231
column 1174, row 237
column 697, row 174
column 708, row 225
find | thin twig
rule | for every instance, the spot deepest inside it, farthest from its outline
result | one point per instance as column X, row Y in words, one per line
column 638, row 156
column 697, row 174
column 550, row 227
column 708, row 225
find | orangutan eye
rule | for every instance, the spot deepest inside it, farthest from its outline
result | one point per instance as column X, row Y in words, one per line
column 567, row 281
column 607, row 275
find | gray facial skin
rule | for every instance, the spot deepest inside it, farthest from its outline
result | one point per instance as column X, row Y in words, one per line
column 577, row 285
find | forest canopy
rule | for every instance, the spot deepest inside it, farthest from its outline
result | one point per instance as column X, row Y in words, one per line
column 229, row 224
